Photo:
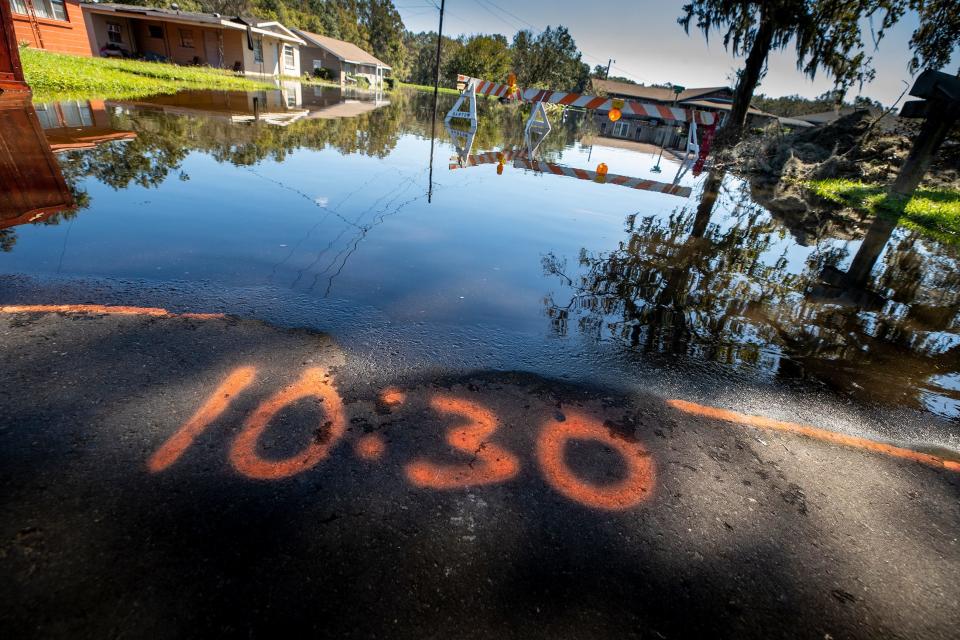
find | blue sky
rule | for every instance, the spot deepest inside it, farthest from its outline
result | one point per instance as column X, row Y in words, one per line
column 648, row 44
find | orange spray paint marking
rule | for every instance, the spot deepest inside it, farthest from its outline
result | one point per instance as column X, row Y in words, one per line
column 393, row 396
column 370, row 447
column 99, row 308
column 171, row 450
column 636, row 487
column 813, row 432
column 243, row 453
column 490, row 463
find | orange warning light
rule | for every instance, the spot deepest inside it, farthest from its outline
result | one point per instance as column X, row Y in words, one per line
column 602, row 169
column 614, row 114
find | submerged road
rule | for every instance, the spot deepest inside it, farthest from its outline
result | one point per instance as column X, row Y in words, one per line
column 188, row 475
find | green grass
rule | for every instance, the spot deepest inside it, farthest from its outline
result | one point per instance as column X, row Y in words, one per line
column 935, row 212
column 313, row 80
column 429, row 87
column 56, row 76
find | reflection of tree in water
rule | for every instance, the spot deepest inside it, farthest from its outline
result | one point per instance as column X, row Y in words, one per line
column 723, row 293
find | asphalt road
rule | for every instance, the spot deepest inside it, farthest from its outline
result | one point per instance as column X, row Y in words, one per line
column 194, row 477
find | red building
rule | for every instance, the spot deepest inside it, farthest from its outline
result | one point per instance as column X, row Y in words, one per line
column 54, row 25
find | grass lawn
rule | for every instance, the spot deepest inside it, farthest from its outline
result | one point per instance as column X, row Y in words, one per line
column 429, row 87
column 55, row 76
column 313, row 80
column 935, row 212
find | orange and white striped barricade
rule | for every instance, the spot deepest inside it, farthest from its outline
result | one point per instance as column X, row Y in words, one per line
column 584, row 101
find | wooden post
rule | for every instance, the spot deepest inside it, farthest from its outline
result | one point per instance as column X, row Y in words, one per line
column 11, row 71
column 941, row 116
column 940, row 109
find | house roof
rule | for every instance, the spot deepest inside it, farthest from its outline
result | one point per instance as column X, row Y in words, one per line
column 345, row 51
column 723, row 106
column 258, row 25
column 656, row 94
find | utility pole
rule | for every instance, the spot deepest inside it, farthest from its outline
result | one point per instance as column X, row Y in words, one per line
column 436, row 96
column 610, row 61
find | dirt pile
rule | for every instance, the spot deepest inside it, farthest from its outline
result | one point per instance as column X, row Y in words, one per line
column 856, row 146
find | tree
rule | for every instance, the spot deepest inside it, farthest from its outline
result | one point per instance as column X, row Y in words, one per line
column 550, row 60
column 827, row 34
column 422, row 55
column 937, row 36
column 486, row 57
column 385, row 29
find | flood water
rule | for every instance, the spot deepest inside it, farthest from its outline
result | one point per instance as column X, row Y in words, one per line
column 310, row 208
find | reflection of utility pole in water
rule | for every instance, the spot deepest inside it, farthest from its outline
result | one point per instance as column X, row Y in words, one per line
column 436, row 97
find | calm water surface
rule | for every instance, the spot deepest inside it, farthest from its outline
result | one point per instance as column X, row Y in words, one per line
column 312, row 208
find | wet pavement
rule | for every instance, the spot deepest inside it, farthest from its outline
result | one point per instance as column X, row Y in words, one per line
column 508, row 397
column 184, row 476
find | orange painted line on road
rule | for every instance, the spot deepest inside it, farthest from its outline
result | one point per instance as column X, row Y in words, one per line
column 171, row 450
column 99, row 308
column 814, row 432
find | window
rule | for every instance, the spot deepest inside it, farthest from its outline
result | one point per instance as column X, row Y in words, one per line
column 288, row 60
column 113, row 32
column 76, row 114
column 186, row 38
column 258, row 50
column 621, row 129
column 50, row 9
column 155, row 31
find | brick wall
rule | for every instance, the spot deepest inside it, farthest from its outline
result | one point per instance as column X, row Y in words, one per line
column 68, row 36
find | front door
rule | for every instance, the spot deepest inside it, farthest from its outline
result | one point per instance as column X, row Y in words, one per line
column 211, row 40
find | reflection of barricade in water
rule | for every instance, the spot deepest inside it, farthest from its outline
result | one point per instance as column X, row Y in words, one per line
column 672, row 189
column 463, row 142
column 465, row 109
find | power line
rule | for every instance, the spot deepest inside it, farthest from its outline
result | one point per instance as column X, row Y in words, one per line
column 532, row 26
column 519, row 22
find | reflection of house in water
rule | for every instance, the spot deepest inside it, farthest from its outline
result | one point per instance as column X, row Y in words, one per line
column 329, row 103
column 278, row 107
column 76, row 124
column 32, row 187
column 289, row 103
